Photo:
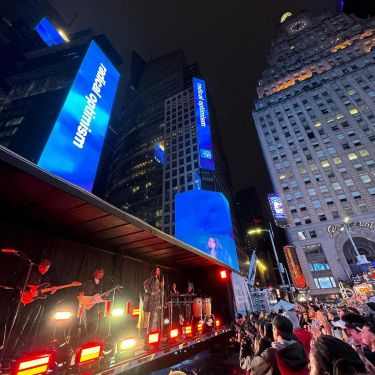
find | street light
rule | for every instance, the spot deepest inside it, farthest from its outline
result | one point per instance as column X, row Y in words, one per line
column 260, row 230
column 262, row 267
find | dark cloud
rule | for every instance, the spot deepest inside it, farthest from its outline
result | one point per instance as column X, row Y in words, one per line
column 229, row 39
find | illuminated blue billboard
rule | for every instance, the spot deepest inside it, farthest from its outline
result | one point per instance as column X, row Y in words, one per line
column 48, row 33
column 73, row 148
column 159, row 153
column 206, row 155
column 277, row 210
column 203, row 220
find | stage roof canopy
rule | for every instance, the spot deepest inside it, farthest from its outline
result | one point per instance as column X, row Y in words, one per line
column 37, row 199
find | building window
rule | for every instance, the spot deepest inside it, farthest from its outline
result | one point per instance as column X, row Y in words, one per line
column 301, row 236
column 335, row 215
column 311, row 191
column 352, row 156
column 371, row 191
column 349, row 182
column 365, row 178
column 336, row 186
column 325, row 282
column 363, row 152
column 312, row 233
column 325, row 163
column 316, row 204
column 337, row 160
column 319, row 266
column 322, row 217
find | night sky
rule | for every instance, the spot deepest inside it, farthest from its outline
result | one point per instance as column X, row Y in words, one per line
column 229, row 39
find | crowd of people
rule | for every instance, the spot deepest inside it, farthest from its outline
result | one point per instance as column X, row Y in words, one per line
column 316, row 339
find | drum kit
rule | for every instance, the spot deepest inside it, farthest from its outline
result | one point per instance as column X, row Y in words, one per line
column 189, row 308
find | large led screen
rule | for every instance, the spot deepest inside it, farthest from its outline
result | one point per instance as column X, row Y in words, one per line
column 73, row 149
column 206, row 156
column 277, row 210
column 203, row 220
column 48, row 33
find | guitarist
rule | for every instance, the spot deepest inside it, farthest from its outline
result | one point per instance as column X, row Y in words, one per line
column 91, row 287
column 25, row 329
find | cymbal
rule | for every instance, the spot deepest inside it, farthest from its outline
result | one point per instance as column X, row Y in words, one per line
column 6, row 287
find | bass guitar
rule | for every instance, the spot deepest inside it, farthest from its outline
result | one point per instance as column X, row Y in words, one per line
column 39, row 291
column 89, row 301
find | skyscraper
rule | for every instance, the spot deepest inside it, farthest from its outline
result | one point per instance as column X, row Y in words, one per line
column 315, row 118
column 135, row 177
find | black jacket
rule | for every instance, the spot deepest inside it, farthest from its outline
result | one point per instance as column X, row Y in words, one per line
column 291, row 353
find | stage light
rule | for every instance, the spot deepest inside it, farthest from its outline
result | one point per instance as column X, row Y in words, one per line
column 118, row 312
column 217, row 323
column 126, row 344
column 88, row 352
column 32, row 364
column 200, row 327
column 223, row 274
column 153, row 338
column 62, row 315
column 135, row 312
column 174, row 333
column 187, row 330
column 166, row 321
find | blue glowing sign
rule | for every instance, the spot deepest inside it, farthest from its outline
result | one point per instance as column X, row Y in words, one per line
column 48, row 33
column 277, row 210
column 206, row 156
column 73, row 149
column 159, row 153
column 203, row 220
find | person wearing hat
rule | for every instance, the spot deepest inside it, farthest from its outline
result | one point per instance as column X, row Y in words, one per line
column 287, row 356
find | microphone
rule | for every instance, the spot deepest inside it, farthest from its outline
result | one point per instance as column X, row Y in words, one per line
column 9, row 251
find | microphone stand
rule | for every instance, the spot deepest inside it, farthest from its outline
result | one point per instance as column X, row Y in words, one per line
column 162, row 308
column 15, row 316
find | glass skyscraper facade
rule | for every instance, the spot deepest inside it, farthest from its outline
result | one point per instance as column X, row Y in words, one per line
column 315, row 118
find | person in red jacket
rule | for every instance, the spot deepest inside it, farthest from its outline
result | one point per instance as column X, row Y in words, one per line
column 303, row 336
column 287, row 356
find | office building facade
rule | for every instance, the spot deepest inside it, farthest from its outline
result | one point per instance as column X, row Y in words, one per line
column 315, row 118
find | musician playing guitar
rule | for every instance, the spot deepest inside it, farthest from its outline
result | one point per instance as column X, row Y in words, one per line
column 92, row 287
column 25, row 329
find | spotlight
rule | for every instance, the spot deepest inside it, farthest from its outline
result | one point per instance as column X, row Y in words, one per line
column 32, row 364
column 88, row 353
column 174, row 333
column 135, row 312
column 166, row 321
column 223, row 274
column 200, row 327
column 62, row 315
column 126, row 348
column 118, row 312
column 153, row 338
column 187, row 330
column 217, row 323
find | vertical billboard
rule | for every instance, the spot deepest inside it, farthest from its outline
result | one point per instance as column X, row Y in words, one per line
column 203, row 220
column 206, row 155
column 73, row 149
column 277, row 210
column 48, row 33
column 159, row 153
column 298, row 279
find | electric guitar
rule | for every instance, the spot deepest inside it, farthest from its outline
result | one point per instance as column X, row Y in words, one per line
column 39, row 291
column 89, row 301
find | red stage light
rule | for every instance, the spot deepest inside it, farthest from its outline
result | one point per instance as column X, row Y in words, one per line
column 32, row 364
column 63, row 315
column 187, row 330
column 153, row 338
column 223, row 274
column 217, row 323
column 200, row 327
column 173, row 334
column 135, row 312
column 89, row 352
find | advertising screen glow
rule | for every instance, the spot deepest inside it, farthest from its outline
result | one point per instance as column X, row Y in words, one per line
column 159, row 153
column 206, row 156
column 203, row 220
column 277, row 210
column 48, row 33
column 73, row 149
